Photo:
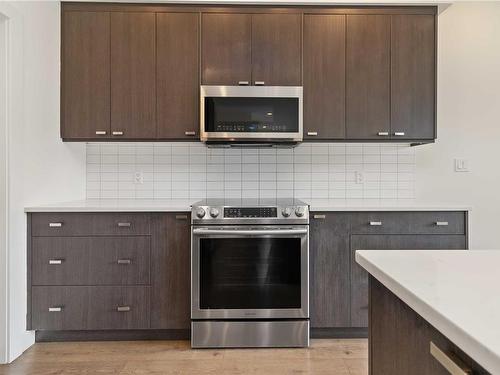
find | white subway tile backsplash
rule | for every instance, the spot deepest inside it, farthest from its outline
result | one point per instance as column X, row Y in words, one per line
column 319, row 172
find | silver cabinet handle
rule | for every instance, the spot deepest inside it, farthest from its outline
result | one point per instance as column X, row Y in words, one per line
column 181, row 217
column 312, row 134
column 123, row 261
column 55, row 309
column 400, row 134
column 55, row 225
column 55, row 261
column 441, row 223
column 124, row 225
column 123, row 308
column 375, row 223
column 383, row 134
column 117, row 133
column 249, row 232
column 453, row 365
column 191, row 133
column 259, row 83
column 100, row 132
column 319, row 216
column 243, row 83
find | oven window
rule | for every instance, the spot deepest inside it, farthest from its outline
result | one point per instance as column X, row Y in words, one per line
column 250, row 273
column 253, row 115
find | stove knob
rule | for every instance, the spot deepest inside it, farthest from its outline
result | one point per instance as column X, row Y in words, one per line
column 200, row 212
column 214, row 212
column 286, row 212
column 300, row 211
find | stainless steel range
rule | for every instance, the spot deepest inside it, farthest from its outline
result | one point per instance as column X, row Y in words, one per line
column 250, row 274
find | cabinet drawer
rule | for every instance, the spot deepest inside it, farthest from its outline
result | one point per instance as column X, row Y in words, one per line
column 82, row 224
column 442, row 222
column 90, row 307
column 91, row 260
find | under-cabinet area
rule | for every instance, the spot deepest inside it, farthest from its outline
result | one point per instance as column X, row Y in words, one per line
column 127, row 275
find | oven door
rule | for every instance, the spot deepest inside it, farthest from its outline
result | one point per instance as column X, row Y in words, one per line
column 251, row 113
column 242, row 272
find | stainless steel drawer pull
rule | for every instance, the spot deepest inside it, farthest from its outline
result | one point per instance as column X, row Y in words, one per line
column 124, row 225
column 55, row 261
column 117, row 133
column 399, row 134
column 100, row 132
column 243, row 83
column 191, row 133
column 441, row 223
column 55, row 309
column 312, row 134
column 259, row 83
column 383, row 134
column 319, row 216
column 453, row 365
column 123, row 308
column 55, row 225
column 123, row 261
column 375, row 223
column 181, row 217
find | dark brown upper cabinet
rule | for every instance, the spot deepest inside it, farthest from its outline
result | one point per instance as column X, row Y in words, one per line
column 226, row 49
column 413, row 77
column 246, row 49
column 276, row 49
column 133, row 75
column 177, row 75
column 324, row 77
column 85, row 75
column 368, row 76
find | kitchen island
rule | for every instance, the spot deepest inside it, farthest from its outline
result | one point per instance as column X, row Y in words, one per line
column 433, row 312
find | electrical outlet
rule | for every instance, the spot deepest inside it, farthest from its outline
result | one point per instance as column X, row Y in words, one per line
column 138, row 178
column 462, row 165
column 360, row 178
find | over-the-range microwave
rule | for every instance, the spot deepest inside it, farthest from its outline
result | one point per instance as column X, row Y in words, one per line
column 251, row 115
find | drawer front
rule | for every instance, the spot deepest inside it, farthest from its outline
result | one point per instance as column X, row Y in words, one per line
column 91, row 260
column 90, row 307
column 88, row 224
column 442, row 222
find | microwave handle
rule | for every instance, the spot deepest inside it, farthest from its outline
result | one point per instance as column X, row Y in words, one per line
column 246, row 232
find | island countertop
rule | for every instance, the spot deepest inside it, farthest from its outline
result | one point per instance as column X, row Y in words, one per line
column 456, row 291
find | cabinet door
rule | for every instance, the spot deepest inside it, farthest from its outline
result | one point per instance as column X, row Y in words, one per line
column 177, row 75
column 170, row 271
column 133, row 78
column 226, row 49
column 359, row 277
column 329, row 270
column 413, row 77
column 276, row 49
column 324, row 76
column 85, row 75
column 367, row 76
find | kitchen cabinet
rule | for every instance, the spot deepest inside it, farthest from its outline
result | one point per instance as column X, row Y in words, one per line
column 85, row 75
column 400, row 339
column 368, row 52
column 177, row 75
column 324, row 76
column 413, row 86
column 133, row 79
column 329, row 270
column 260, row 49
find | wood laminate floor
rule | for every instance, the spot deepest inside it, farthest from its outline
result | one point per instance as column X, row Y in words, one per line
column 333, row 357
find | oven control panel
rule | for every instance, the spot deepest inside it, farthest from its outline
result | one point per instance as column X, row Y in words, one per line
column 250, row 212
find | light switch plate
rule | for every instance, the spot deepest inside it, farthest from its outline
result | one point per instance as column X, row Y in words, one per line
column 462, row 165
column 360, row 178
column 138, row 178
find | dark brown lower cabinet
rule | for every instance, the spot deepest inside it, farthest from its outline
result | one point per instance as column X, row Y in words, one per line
column 400, row 339
column 359, row 277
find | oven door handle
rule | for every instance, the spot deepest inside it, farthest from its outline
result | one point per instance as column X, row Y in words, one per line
column 247, row 232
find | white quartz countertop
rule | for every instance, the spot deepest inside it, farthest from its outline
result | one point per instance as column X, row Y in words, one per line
column 456, row 291
column 161, row 205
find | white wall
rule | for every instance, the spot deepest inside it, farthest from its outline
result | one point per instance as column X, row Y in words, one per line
column 468, row 118
column 41, row 167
